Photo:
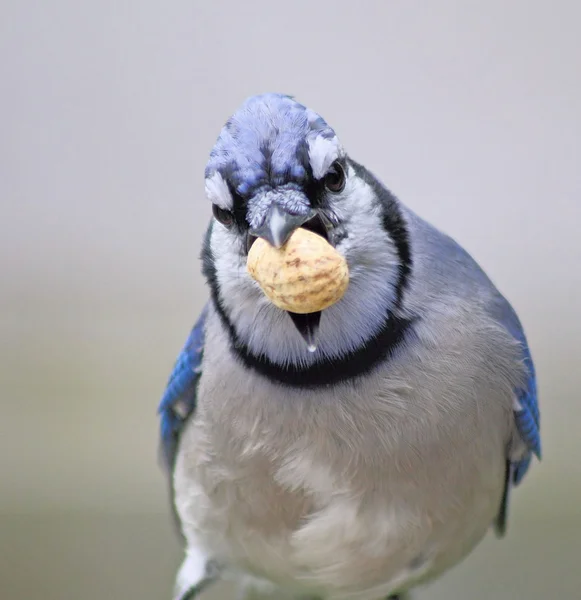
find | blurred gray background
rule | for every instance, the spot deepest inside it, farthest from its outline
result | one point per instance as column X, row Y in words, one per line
column 469, row 111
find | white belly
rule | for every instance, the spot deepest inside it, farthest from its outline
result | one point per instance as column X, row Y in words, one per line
column 360, row 531
column 351, row 492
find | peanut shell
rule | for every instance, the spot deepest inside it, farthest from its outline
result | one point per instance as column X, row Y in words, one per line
column 305, row 275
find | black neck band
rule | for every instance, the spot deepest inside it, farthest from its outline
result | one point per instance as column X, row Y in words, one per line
column 328, row 371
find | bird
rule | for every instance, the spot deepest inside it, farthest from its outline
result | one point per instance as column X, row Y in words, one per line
column 355, row 452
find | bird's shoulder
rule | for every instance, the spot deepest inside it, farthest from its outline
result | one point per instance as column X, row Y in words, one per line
column 526, row 412
column 179, row 399
column 472, row 283
column 525, row 407
column 446, row 268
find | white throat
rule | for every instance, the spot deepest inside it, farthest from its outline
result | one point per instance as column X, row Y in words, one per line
column 345, row 326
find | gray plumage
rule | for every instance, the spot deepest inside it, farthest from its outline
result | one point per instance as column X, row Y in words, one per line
column 357, row 487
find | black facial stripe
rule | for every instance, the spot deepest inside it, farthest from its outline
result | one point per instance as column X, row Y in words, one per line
column 394, row 224
column 314, row 189
column 238, row 206
column 322, row 373
column 209, row 272
column 302, row 156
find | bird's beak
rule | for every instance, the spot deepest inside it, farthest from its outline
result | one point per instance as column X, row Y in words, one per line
column 277, row 228
column 279, row 225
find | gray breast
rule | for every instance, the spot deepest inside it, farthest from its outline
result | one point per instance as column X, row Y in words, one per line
column 357, row 486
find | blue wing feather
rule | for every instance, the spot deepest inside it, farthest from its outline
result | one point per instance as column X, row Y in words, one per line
column 526, row 416
column 179, row 399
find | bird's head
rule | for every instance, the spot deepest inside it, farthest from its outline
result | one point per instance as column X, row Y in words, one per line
column 277, row 166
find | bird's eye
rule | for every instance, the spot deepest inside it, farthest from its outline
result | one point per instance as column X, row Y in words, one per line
column 335, row 178
column 222, row 215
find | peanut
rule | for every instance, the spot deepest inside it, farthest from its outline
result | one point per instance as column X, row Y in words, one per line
column 305, row 275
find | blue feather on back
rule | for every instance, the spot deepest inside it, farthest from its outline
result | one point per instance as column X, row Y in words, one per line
column 179, row 399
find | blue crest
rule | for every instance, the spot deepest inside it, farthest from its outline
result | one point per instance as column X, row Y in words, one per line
column 265, row 144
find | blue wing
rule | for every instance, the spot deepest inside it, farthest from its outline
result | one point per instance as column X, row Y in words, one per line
column 179, row 398
column 527, row 417
column 526, row 413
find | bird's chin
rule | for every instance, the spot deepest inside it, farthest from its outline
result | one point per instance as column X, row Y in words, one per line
column 308, row 326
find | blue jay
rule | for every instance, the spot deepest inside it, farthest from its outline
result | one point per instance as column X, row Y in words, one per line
column 359, row 451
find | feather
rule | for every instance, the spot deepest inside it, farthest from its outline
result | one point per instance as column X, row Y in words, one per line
column 179, row 399
column 526, row 414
